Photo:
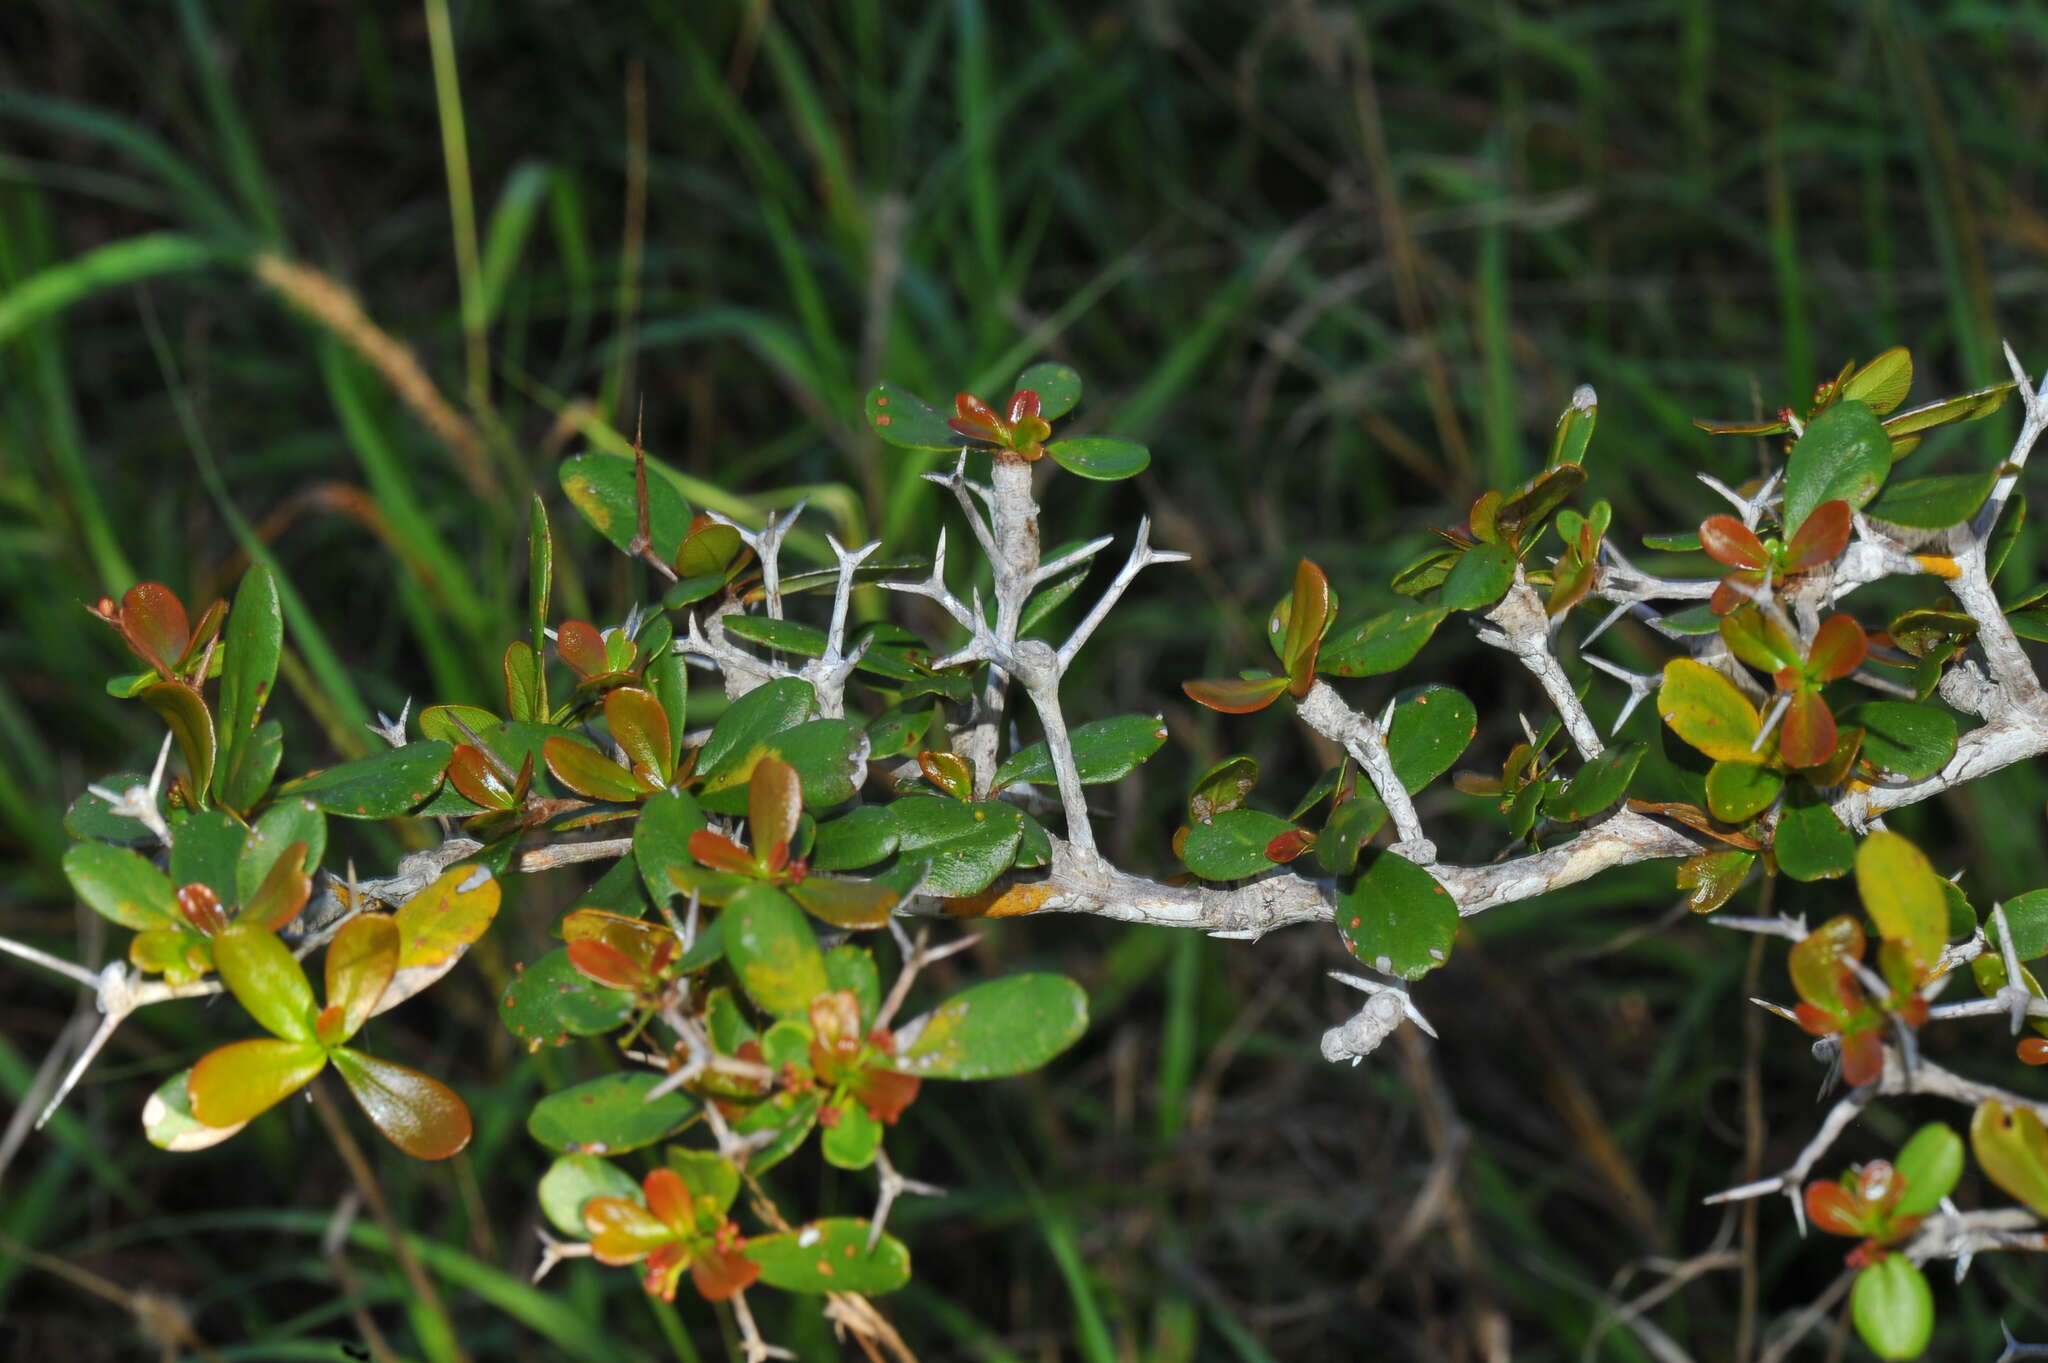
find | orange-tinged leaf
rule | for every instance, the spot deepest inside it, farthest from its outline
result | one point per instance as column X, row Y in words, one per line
column 1821, row 539
column 775, row 800
column 668, row 1199
column 1708, row 711
column 1234, row 695
column 1817, row 964
column 1834, row 1209
column 1862, row 1057
column 949, row 772
column 417, row 1113
column 437, row 925
column 201, row 908
column 1729, row 541
column 581, row 646
column 183, row 711
column 1837, row 650
column 235, row 1083
column 471, row 773
column 719, row 1273
column 261, row 973
column 1806, row 737
column 640, row 726
column 1308, row 619
column 591, row 774
column 284, row 890
column 720, row 853
column 617, row 951
column 152, row 620
column 622, row 1232
column 361, row 960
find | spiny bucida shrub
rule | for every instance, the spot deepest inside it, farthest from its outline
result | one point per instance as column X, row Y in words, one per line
column 867, row 779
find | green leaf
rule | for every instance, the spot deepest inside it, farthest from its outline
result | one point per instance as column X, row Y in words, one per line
column 1574, row 429
column 361, row 960
column 1232, row 845
column 1712, row 878
column 755, row 718
column 1903, row 895
column 909, row 422
column 1739, row 791
column 1430, row 728
column 1811, row 843
column 859, row 838
column 1350, row 827
column 380, row 786
column 1480, row 577
column 168, row 1121
column 1396, row 918
column 1057, row 385
column 184, row 712
column 1904, row 737
column 830, row 1256
column 237, row 1082
column 260, row 972
column 207, row 846
column 602, row 487
column 1387, row 642
column 1001, row 1027
column 1931, row 1163
column 790, row 636
column 1104, row 750
column 446, row 723
column 1883, row 383
column 1893, row 1308
column 1844, row 454
column 852, row 967
column 827, row 755
column 852, row 1135
column 573, row 1180
column 790, row 1115
column 772, row 948
column 640, row 727
column 2011, row 1146
column 1103, row 458
column 2027, row 916
column 120, row 885
column 244, row 773
column 1222, row 788
column 415, row 1112
column 255, row 641
column 2005, row 534
column 1707, row 710
column 1598, row 784
column 1964, row 407
column 610, row 1115
column 661, row 840
column 550, row 1001
column 1934, row 503
column 968, row 845
column 92, row 817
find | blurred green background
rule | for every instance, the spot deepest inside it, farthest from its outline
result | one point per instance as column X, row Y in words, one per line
column 339, row 285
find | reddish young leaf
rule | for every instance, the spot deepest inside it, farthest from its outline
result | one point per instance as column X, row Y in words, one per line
column 1806, row 737
column 975, row 420
column 590, row 773
column 1822, row 537
column 1735, row 590
column 1862, row 1056
column 1729, row 541
column 581, row 646
column 472, row 774
column 201, row 908
column 1285, row 847
column 949, row 772
column 1836, row 1210
column 417, row 1113
column 721, row 1272
column 721, row 853
column 1023, row 405
column 1838, row 649
column 885, row 1093
column 640, row 726
column 1235, row 695
column 152, row 620
column 2033, row 1050
column 622, row 1232
column 775, row 800
column 668, row 1199
column 1307, row 618
column 619, row 952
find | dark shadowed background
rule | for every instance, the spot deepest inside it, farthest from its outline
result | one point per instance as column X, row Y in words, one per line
column 1339, row 265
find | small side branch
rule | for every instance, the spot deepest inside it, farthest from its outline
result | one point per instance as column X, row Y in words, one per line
column 1522, row 627
column 1323, row 710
